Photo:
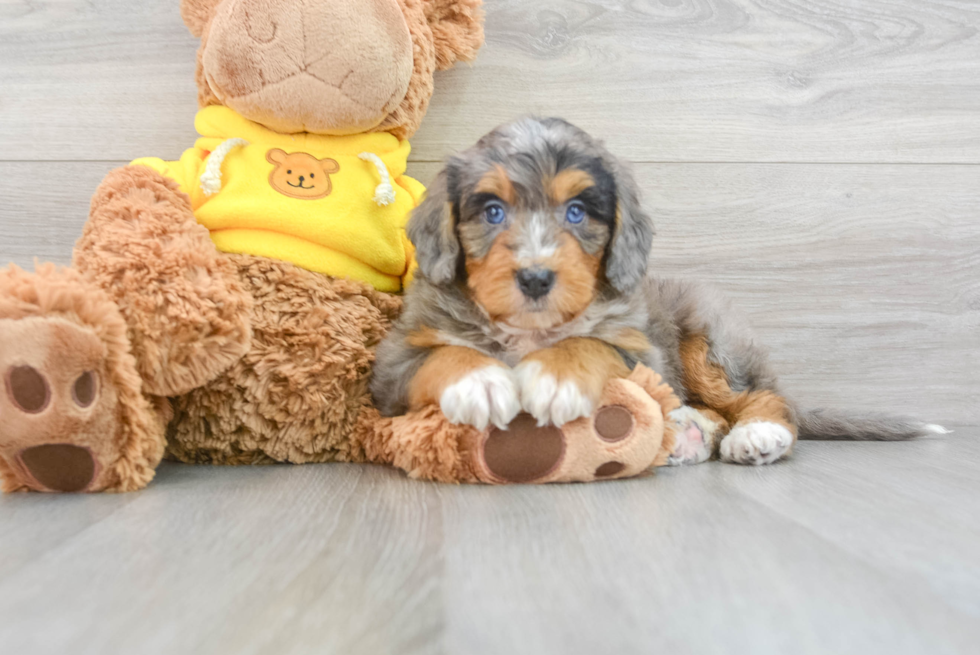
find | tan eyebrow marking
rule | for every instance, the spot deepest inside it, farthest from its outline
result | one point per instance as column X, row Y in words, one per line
column 498, row 183
column 568, row 184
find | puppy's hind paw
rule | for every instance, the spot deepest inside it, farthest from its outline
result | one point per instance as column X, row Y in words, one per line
column 695, row 434
column 549, row 400
column 756, row 443
column 486, row 395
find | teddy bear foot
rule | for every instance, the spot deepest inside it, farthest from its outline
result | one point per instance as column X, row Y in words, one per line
column 57, row 410
column 625, row 437
column 61, row 425
column 620, row 440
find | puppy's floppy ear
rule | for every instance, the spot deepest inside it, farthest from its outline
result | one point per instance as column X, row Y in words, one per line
column 629, row 249
column 432, row 229
column 457, row 29
column 197, row 14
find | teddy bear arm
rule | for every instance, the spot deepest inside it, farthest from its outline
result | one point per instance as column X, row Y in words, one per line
column 186, row 310
column 186, row 172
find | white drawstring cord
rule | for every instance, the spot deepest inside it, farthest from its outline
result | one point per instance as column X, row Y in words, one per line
column 384, row 193
column 211, row 177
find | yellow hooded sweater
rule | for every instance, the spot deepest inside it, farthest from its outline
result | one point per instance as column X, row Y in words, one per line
column 331, row 204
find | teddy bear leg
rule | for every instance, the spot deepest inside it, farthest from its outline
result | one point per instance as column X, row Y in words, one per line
column 181, row 298
column 72, row 413
column 627, row 435
column 621, row 439
column 697, row 431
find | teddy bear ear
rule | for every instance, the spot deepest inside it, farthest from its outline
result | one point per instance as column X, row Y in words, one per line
column 457, row 29
column 275, row 156
column 197, row 13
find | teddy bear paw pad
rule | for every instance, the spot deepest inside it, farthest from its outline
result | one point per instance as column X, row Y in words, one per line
column 609, row 469
column 614, row 423
column 59, row 467
column 523, row 452
column 55, row 413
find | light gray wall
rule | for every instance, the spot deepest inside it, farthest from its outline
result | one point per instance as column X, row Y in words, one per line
column 818, row 161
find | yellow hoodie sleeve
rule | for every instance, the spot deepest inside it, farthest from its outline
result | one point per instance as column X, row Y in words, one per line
column 186, row 171
column 415, row 188
column 411, row 265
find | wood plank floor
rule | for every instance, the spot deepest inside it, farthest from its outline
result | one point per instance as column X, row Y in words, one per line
column 818, row 160
column 845, row 548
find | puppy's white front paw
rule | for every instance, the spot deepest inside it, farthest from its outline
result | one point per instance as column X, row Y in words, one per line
column 549, row 400
column 759, row 442
column 486, row 395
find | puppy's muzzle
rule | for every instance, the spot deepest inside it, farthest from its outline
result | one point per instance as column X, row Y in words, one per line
column 535, row 282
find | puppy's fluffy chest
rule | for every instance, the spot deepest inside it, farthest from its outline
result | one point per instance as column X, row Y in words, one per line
column 600, row 321
column 516, row 343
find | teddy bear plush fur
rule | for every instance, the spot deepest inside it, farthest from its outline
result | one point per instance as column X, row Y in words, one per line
column 167, row 338
column 154, row 339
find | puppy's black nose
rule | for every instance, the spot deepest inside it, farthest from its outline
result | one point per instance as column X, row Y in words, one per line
column 535, row 282
column 301, row 178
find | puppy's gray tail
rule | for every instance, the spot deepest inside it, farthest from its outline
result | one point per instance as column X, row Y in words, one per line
column 838, row 425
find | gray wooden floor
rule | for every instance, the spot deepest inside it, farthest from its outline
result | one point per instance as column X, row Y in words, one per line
column 818, row 160
column 846, row 548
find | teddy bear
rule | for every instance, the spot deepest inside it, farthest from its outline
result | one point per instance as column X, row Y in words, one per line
column 224, row 308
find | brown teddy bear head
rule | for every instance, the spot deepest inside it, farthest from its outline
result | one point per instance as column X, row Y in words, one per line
column 329, row 66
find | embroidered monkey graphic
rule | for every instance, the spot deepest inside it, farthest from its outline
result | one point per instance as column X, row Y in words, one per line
column 299, row 175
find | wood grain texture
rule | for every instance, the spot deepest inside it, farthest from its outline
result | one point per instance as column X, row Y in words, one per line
column 665, row 80
column 44, row 207
column 282, row 554
column 862, row 280
column 845, row 548
column 710, row 567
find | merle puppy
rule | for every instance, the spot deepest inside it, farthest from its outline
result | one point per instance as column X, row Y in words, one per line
column 534, row 289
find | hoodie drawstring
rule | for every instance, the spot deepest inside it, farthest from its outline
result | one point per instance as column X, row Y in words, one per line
column 211, row 177
column 384, row 193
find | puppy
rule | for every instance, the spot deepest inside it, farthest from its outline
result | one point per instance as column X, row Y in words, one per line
column 533, row 290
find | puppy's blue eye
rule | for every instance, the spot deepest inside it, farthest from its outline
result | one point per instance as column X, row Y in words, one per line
column 494, row 213
column 575, row 213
